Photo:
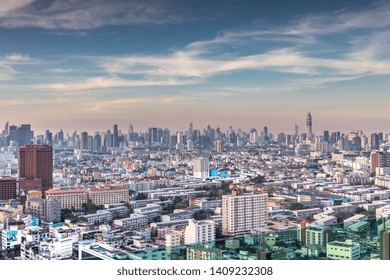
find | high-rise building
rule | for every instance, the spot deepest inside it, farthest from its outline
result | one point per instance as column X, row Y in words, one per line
column 152, row 135
column 190, row 129
column 326, row 136
column 25, row 135
column 219, row 146
column 385, row 245
column 243, row 212
column 36, row 162
column 201, row 168
column 7, row 188
column 296, row 130
column 253, row 137
column 374, row 141
column 309, row 127
column 84, row 141
column 379, row 159
column 266, row 135
column 48, row 138
column 115, row 136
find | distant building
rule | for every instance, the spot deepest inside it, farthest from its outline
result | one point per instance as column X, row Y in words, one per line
column 201, row 168
column 309, row 127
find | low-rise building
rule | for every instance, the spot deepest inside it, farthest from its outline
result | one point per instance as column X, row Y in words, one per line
column 347, row 250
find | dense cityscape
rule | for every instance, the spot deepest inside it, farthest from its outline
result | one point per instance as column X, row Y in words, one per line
column 200, row 193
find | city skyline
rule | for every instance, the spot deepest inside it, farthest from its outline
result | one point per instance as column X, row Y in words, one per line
column 85, row 66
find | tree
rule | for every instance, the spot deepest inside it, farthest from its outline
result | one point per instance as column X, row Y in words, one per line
column 295, row 206
column 141, row 196
column 66, row 214
column 201, row 215
column 258, row 179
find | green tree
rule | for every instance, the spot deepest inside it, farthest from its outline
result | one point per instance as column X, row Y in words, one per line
column 295, row 206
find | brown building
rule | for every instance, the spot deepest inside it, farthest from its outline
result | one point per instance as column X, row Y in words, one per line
column 7, row 188
column 36, row 162
column 27, row 185
column 379, row 159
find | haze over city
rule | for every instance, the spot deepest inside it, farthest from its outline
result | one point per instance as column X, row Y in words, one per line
column 86, row 65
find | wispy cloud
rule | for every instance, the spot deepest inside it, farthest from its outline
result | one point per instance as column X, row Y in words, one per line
column 102, row 82
column 86, row 14
column 7, row 6
column 9, row 62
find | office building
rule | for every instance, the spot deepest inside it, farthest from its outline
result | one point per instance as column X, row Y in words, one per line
column 36, row 162
column 7, row 188
column 379, row 160
column 309, row 127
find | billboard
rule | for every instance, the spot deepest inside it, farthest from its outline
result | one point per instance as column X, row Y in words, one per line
column 13, row 238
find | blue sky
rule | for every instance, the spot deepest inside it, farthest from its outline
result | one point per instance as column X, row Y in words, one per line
column 88, row 64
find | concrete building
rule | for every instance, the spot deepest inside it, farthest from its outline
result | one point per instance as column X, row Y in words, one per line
column 46, row 210
column 199, row 231
column 135, row 221
column 347, row 250
column 201, row 168
column 36, row 162
column 108, row 195
column 68, row 199
column 243, row 212
column 7, row 188
column 100, row 217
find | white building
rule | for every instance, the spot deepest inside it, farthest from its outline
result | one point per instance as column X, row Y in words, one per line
column 241, row 213
column 199, row 231
column 347, row 250
column 133, row 222
column 108, row 195
column 68, row 198
column 201, row 168
column 150, row 210
column 100, row 217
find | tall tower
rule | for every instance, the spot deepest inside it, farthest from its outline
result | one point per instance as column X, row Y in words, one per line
column 36, row 162
column 309, row 127
column 115, row 137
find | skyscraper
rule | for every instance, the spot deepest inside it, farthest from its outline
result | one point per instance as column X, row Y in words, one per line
column 115, row 136
column 190, row 129
column 309, row 127
column 36, row 162
column 266, row 135
column 84, row 141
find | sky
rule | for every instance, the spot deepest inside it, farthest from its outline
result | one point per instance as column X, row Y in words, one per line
column 85, row 65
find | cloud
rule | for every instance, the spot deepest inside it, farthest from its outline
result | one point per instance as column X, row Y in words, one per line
column 7, row 6
column 102, row 82
column 18, row 57
column 86, row 14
